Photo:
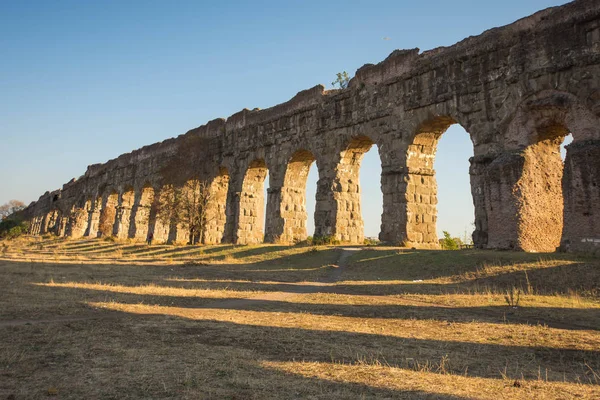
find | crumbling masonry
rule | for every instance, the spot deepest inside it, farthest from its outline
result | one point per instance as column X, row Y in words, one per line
column 517, row 90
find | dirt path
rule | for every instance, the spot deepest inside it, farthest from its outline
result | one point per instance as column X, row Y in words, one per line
column 330, row 280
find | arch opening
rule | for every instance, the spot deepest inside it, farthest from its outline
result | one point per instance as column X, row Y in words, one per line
column 371, row 194
column 165, row 206
column 350, row 223
column 311, row 198
column 108, row 215
column 190, row 210
column 197, row 207
column 455, row 205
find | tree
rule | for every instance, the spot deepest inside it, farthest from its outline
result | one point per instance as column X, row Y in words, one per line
column 449, row 243
column 186, row 206
column 10, row 208
column 12, row 226
column 166, row 205
column 342, row 80
column 194, row 198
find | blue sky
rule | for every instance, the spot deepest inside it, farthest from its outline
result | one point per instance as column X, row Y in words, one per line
column 82, row 82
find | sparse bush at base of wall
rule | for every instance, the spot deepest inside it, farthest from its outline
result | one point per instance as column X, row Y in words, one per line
column 319, row 241
column 324, row 240
column 369, row 241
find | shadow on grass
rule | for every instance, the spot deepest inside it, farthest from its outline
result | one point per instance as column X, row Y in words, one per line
column 430, row 264
column 258, row 251
column 220, row 248
column 553, row 317
column 560, row 279
column 137, row 362
column 484, row 360
column 582, row 276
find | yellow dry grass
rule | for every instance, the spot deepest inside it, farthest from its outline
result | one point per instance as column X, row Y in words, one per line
column 416, row 384
column 513, row 335
column 110, row 319
column 152, row 290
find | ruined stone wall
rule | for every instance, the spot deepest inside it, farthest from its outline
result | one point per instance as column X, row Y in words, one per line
column 517, row 90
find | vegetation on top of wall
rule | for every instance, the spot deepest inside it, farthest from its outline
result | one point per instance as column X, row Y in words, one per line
column 342, row 80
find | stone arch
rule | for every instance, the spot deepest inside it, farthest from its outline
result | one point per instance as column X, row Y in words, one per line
column 140, row 218
column 421, row 184
column 554, row 202
column 550, row 114
column 349, row 223
column 191, row 211
column 250, row 215
column 216, row 212
column 78, row 218
column 291, row 214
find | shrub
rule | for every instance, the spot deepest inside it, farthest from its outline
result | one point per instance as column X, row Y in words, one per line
column 324, row 240
column 369, row 241
column 306, row 242
column 318, row 241
column 342, row 80
column 12, row 228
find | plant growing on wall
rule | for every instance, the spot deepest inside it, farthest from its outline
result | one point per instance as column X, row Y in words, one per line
column 342, row 80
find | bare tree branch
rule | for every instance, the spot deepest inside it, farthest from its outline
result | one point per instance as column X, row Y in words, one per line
column 10, row 208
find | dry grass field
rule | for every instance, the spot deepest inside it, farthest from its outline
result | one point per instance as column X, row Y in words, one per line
column 97, row 319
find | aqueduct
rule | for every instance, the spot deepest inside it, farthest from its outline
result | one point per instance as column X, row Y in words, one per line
column 517, row 90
